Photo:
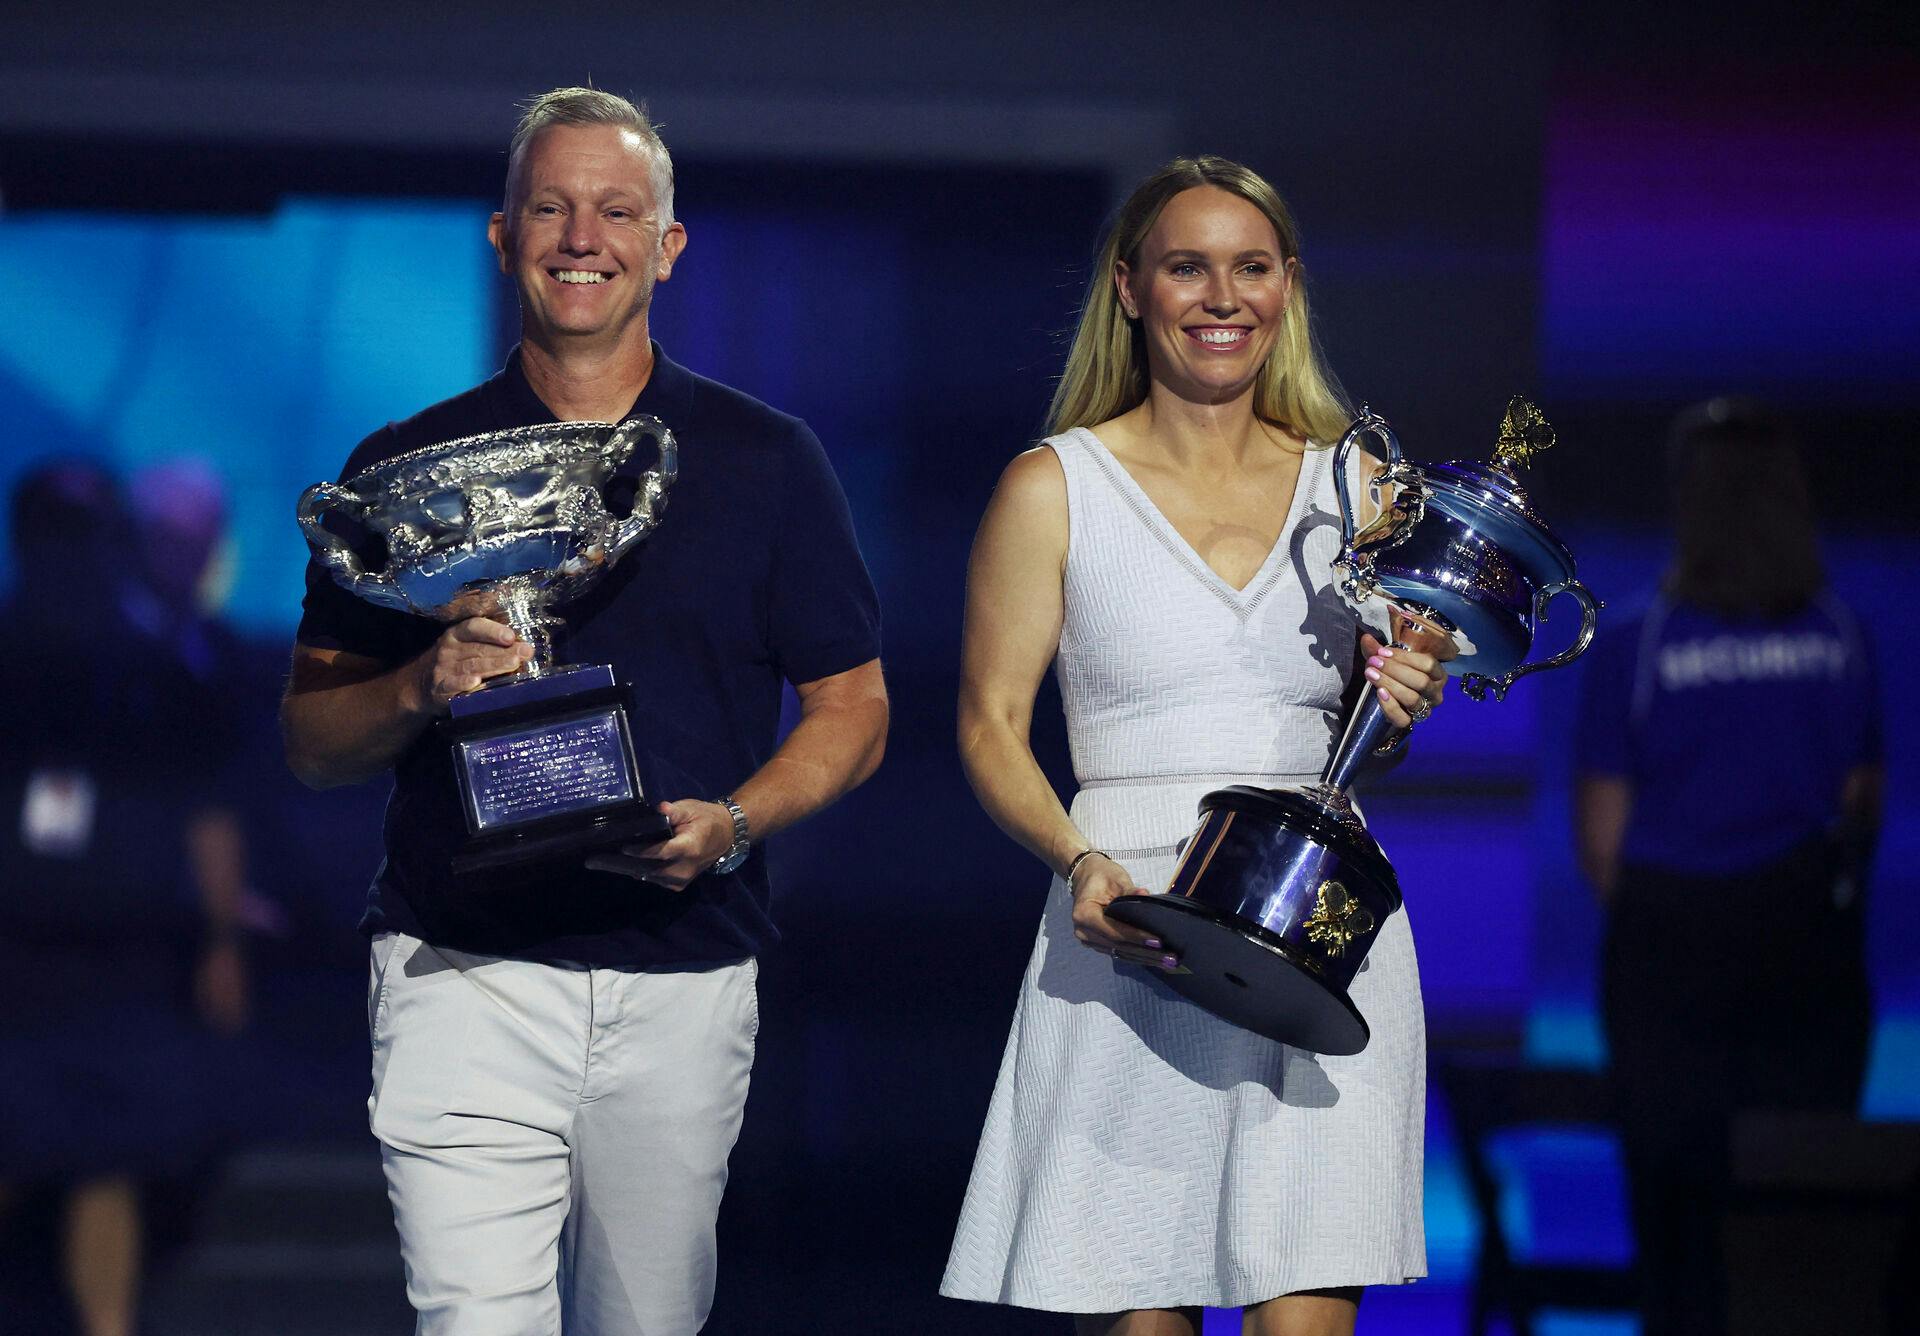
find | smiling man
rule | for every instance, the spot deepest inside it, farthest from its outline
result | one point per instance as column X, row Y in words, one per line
column 559, row 1070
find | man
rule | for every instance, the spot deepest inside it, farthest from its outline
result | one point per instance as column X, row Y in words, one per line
column 559, row 1071
column 114, row 792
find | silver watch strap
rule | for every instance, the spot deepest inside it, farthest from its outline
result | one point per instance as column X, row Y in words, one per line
column 736, row 854
column 739, row 815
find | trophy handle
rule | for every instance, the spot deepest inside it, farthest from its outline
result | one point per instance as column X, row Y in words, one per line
column 1369, row 423
column 329, row 548
column 1477, row 686
column 651, row 499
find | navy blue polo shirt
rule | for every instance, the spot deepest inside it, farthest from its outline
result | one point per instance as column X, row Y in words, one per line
column 752, row 578
column 1736, row 736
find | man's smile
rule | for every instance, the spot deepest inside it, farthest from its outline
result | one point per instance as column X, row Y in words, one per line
column 580, row 276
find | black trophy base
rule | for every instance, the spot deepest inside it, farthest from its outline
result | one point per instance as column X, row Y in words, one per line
column 546, row 775
column 560, row 841
column 1245, row 974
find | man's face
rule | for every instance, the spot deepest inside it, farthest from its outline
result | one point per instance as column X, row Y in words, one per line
column 581, row 235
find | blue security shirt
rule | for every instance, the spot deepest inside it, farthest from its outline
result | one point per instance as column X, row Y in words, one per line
column 1737, row 736
column 752, row 578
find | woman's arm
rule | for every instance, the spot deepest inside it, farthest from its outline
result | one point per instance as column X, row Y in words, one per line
column 1601, row 805
column 1856, row 830
column 1015, row 609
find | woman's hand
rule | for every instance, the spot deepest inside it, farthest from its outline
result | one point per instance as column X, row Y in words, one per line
column 1097, row 883
column 1409, row 681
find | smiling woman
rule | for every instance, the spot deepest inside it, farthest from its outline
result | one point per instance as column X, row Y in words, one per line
column 1169, row 551
column 1107, row 369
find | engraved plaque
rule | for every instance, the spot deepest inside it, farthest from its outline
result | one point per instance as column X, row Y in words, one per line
column 546, row 769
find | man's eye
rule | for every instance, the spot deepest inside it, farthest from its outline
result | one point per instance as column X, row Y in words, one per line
column 546, row 210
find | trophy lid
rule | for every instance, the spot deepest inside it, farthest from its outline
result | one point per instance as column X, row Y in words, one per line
column 1494, row 485
column 1488, row 501
column 1524, row 433
column 1489, row 498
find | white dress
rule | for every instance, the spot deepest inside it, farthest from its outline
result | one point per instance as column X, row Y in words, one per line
column 1139, row 1151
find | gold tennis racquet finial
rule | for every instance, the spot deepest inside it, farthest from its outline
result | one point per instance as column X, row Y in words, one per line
column 1524, row 433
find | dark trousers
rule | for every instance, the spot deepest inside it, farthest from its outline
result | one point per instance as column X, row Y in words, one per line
column 1722, row 994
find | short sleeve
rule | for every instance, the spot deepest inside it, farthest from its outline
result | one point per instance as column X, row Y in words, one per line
column 1601, row 736
column 823, row 614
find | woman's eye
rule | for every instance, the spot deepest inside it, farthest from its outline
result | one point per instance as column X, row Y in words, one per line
column 1184, row 270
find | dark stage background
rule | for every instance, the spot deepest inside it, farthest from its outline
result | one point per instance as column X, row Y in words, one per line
column 250, row 240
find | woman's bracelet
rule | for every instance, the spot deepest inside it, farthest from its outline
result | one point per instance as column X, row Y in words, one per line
column 1080, row 858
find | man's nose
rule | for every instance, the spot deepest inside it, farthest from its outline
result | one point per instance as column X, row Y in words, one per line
column 582, row 235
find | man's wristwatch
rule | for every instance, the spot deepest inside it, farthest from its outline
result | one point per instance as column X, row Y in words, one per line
column 737, row 854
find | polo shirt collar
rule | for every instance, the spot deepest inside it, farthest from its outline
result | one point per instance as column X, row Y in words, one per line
column 668, row 394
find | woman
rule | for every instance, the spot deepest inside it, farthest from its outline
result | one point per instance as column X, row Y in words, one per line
column 1730, row 774
column 1169, row 546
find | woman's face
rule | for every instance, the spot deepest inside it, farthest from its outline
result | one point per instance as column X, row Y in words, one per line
column 1209, row 293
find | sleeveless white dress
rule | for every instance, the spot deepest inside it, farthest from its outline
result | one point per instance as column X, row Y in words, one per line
column 1140, row 1152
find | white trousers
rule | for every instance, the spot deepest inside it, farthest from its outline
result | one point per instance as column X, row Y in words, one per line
column 556, row 1140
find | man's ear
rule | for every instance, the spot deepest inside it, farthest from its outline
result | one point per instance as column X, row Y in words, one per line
column 671, row 245
column 498, row 238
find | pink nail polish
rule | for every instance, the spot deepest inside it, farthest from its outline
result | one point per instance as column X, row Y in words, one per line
column 1376, row 662
column 1373, row 675
column 1386, row 696
column 1385, row 652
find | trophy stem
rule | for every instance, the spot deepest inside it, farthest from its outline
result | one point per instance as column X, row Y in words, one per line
column 521, row 606
column 1366, row 729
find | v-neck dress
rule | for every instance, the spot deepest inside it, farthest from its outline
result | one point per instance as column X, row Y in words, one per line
column 1140, row 1152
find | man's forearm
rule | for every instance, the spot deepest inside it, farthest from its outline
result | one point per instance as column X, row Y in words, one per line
column 348, row 729
column 831, row 751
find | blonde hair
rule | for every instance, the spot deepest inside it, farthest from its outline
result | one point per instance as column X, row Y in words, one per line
column 1106, row 371
column 591, row 106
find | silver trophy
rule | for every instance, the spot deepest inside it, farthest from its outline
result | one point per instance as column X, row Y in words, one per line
column 1280, row 893
column 512, row 524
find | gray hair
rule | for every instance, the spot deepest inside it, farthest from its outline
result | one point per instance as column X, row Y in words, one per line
column 590, row 106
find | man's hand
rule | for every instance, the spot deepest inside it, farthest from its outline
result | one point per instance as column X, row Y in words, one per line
column 702, row 834
column 466, row 655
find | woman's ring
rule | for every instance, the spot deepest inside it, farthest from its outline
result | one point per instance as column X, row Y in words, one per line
column 1421, row 709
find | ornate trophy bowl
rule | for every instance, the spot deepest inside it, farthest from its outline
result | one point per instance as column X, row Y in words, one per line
column 510, row 525
column 1280, row 894
column 506, row 524
column 1461, row 553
